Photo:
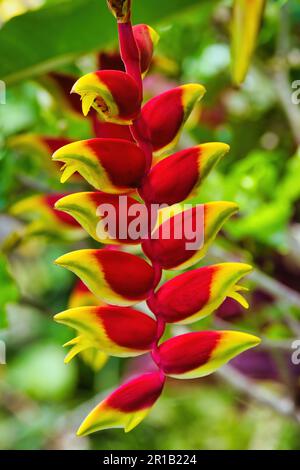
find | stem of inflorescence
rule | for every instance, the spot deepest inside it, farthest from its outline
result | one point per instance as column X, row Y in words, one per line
column 139, row 130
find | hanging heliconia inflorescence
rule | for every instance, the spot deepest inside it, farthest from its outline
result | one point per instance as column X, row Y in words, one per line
column 134, row 170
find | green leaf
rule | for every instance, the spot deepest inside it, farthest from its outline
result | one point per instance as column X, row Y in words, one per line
column 42, row 40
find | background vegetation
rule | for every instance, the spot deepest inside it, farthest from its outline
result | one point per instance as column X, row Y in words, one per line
column 254, row 403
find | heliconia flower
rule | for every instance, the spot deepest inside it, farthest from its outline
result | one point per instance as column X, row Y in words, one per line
column 45, row 220
column 116, row 277
column 182, row 239
column 247, row 15
column 146, row 39
column 110, row 165
column 198, row 354
column 196, row 294
column 112, row 93
column 127, row 406
column 116, row 331
column 121, row 9
column 166, row 114
column 176, row 177
column 90, row 210
column 81, row 296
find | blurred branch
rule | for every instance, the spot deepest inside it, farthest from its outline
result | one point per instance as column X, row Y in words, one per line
column 282, row 405
column 276, row 289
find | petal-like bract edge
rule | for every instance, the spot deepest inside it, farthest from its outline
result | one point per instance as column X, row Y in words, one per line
column 245, row 26
column 115, row 277
column 196, row 294
column 174, row 178
column 112, row 93
column 166, row 114
column 116, row 331
column 183, row 239
column 110, row 165
column 195, row 355
column 126, row 407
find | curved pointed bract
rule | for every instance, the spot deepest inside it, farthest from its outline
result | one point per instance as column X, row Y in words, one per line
column 116, row 331
column 112, row 93
column 127, row 406
column 182, row 239
column 174, row 178
column 115, row 277
column 196, row 294
column 246, row 21
column 146, row 39
column 40, row 144
column 110, row 165
column 195, row 355
column 106, row 217
column 166, row 114
column 41, row 206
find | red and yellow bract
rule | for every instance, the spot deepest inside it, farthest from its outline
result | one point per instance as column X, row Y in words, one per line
column 120, row 161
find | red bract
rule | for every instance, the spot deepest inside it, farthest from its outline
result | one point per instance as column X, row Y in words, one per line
column 178, row 236
column 111, row 165
column 112, row 93
column 115, row 277
column 175, row 178
column 166, row 114
column 127, row 406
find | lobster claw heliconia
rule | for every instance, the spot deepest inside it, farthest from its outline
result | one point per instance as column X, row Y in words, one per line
column 166, row 114
column 44, row 220
column 89, row 209
column 112, row 93
column 119, row 164
column 204, row 352
column 181, row 237
column 127, row 406
column 115, row 277
column 99, row 162
column 196, row 294
column 175, row 178
column 116, row 331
